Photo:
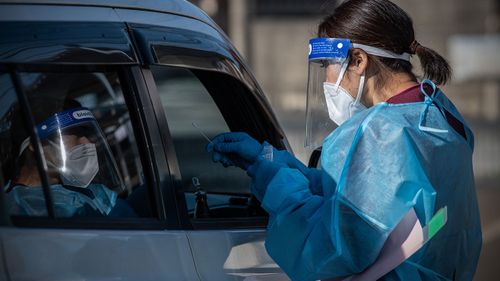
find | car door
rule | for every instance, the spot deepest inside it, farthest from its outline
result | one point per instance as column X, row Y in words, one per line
column 202, row 88
column 94, row 64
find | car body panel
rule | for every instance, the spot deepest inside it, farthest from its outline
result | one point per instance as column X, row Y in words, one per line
column 57, row 254
column 233, row 255
column 49, row 13
column 179, row 7
column 71, row 43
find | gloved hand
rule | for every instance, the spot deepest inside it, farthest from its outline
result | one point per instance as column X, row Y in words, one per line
column 234, row 149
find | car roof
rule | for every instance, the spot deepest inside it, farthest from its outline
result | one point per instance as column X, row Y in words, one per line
column 180, row 7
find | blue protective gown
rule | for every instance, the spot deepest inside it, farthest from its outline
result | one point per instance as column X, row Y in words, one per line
column 385, row 160
column 30, row 201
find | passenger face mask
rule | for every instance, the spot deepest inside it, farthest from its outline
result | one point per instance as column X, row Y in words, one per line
column 328, row 104
column 80, row 166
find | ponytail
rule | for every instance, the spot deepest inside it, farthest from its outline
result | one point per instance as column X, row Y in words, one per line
column 435, row 67
column 382, row 24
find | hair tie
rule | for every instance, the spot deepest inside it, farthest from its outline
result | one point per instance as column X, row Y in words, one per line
column 414, row 46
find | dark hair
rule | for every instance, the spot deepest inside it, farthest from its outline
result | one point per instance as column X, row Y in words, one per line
column 382, row 24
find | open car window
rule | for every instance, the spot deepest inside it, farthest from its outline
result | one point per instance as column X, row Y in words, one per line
column 192, row 113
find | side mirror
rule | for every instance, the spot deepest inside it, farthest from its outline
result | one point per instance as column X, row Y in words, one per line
column 315, row 157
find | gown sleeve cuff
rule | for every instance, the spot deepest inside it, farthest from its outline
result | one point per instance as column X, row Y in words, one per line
column 287, row 183
column 262, row 172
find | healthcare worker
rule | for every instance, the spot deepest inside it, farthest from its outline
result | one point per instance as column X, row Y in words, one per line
column 81, row 170
column 401, row 148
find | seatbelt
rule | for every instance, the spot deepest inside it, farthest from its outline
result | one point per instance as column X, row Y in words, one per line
column 406, row 239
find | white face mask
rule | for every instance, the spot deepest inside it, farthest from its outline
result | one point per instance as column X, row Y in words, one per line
column 80, row 166
column 341, row 105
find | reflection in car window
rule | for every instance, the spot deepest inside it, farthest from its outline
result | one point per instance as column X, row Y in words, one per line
column 88, row 143
column 186, row 101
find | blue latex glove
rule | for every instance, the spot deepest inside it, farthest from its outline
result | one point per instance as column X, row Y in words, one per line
column 234, row 149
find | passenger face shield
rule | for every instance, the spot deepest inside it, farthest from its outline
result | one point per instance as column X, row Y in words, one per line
column 76, row 152
column 328, row 58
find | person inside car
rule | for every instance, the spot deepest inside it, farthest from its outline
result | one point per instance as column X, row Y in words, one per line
column 81, row 170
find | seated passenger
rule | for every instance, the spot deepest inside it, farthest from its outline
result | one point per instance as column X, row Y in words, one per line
column 81, row 170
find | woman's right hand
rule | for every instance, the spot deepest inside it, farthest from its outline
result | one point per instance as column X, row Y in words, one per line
column 234, row 149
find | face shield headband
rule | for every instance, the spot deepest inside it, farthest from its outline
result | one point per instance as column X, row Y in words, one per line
column 64, row 119
column 332, row 54
column 58, row 122
column 338, row 49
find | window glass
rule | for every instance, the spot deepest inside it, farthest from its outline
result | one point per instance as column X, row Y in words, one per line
column 192, row 114
column 15, row 164
column 93, row 163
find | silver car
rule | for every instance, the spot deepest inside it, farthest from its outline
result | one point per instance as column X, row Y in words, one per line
column 159, row 76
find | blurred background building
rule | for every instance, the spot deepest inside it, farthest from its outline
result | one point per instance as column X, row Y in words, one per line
column 273, row 37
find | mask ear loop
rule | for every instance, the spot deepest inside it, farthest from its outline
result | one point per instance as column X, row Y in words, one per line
column 343, row 69
column 429, row 100
column 358, row 95
column 360, row 88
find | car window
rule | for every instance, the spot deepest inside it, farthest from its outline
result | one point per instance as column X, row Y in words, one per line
column 88, row 143
column 12, row 134
column 193, row 119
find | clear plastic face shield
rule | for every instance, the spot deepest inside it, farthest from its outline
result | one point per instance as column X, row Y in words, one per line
column 76, row 152
column 327, row 101
column 326, row 56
